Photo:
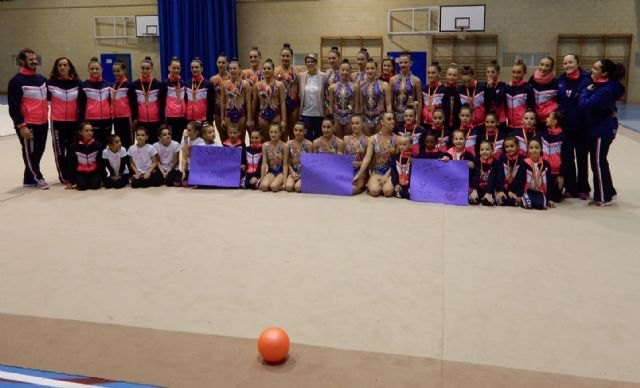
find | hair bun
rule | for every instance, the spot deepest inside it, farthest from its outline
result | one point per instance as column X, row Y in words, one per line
column 174, row 58
column 94, row 59
column 286, row 45
column 254, row 48
column 466, row 67
column 435, row 63
column 334, row 48
column 493, row 62
column 148, row 58
column 346, row 60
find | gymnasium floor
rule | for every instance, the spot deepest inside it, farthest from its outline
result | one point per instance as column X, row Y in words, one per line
column 171, row 287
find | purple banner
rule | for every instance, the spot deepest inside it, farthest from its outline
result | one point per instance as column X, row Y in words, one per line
column 327, row 174
column 215, row 166
column 440, row 182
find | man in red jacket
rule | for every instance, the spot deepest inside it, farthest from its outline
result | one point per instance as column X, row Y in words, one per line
column 29, row 111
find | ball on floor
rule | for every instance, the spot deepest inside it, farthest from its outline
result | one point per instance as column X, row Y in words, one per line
column 273, row 344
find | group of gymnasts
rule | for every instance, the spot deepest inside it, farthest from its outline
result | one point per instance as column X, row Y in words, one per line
column 363, row 109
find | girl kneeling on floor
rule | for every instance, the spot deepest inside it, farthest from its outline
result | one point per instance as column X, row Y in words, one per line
column 144, row 162
column 116, row 161
column 274, row 158
column 84, row 161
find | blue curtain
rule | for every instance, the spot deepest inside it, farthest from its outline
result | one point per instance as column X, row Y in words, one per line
column 196, row 28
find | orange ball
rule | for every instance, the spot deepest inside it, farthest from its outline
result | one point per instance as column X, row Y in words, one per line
column 273, row 344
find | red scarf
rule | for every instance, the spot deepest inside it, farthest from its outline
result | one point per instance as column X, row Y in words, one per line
column 406, row 154
column 67, row 78
column 542, row 79
column 385, row 77
column 574, row 75
column 601, row 80
column 95, row 79
column 434, row 85
column 25, row 71
column 452, row 85
column 146, row 78
column 198, row 78
column 554, row 131
column 466, row 128
column 174, row 78
column 517, row 83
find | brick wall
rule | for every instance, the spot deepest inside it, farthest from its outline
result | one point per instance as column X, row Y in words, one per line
column 65, row 27
column 57, row 28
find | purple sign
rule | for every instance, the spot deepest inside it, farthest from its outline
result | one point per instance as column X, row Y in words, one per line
column 215, row 166
column 440, row 182
column 327, row 174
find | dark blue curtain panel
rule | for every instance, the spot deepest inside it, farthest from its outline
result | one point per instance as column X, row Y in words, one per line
column 197, row 28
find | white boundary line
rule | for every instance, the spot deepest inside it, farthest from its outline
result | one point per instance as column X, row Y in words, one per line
column 40, row 380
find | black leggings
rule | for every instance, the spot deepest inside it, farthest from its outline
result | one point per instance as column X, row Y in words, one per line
column 88, row 181
column 155, row 180
column 117, row 183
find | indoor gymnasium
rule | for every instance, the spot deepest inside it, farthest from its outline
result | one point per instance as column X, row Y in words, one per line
column 417, row 194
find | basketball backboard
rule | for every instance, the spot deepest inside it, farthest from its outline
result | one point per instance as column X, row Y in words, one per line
column 462, row 18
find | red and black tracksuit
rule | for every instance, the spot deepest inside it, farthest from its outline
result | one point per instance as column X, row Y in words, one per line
column 487, row 179
column 94, row 104
column 123, row 97
column 432, row 99
column 451, row 107
column 532, row 182
column 546, row 100
column 495, row 100
column 85, row 169
column 401, row 174
column 510, row 166
column 555, row 151
column 519, row 98
column 27, row 95
column 254, row 167
column 150, row 104
column 474, row 96
column 63, row 94
column 175, row 106
column 201, row 100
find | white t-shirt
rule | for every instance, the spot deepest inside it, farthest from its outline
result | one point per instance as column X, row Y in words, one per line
column 114, row 159
column 312, row 105
column 166, row 153
column 141, row 156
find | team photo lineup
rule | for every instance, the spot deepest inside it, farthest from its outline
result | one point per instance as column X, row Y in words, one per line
column 530, row 142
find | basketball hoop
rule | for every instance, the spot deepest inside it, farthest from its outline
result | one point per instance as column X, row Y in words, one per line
column 462, row 24
column 461, row 31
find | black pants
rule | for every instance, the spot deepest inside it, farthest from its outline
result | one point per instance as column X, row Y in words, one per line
column 173, row 178
column 553, row 192
column 101, row 130
column 118, row 183
column 313, row 126
column 533, row 199
column 88, row 181
column 177, row 126
column 577, row 179
column 602, row 183
column 62, row 135
column 155, row 180
column 32, row 151
column 122, row 128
